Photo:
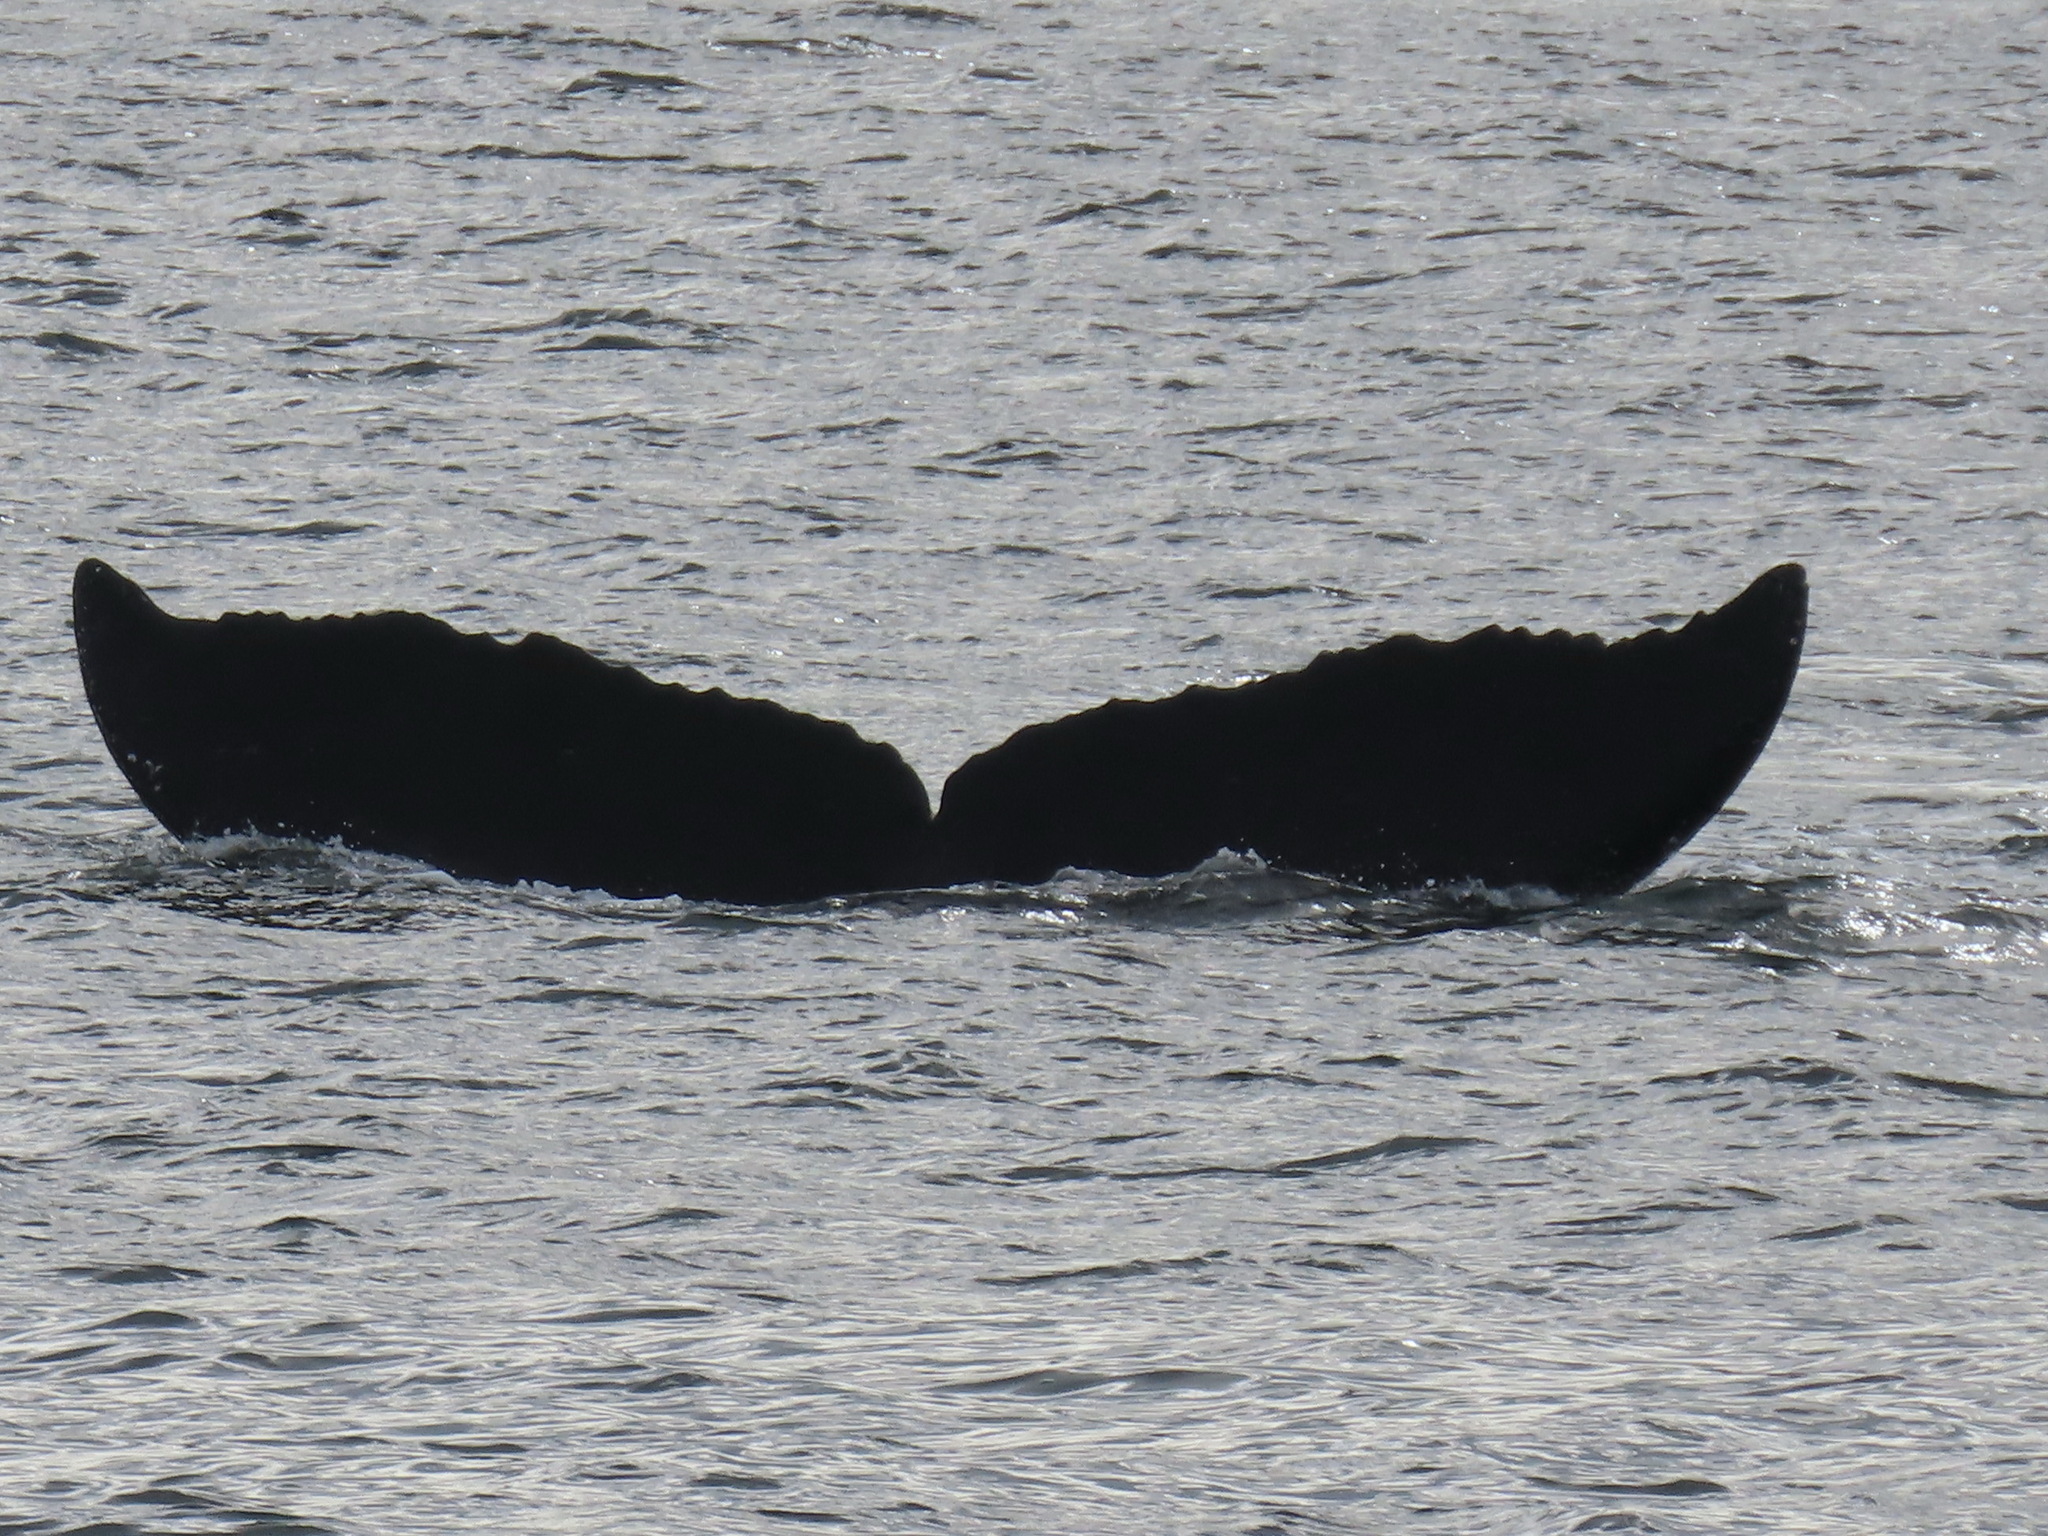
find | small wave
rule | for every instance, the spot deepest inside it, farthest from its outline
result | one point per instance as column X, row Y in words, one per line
column 1644, row 1221
column 295, row 1230
column 734, row 1480
column 580, row 156
column 894, row 10
column 671, row 1381
column 176, row 1502
column 848, row 45
column 1819, row 1234
column 673, row 1216
column 268, row 882
column 1814, row 1081
column 148, row 1318
column 1349, row 1258
column 477, row 1447
column 620, row 82
column 607, row 341
column 132, row 1274
column 634, row 1313
column 923, row 1071
column 1229, row 889
column 256, row 1360
column 78, row 348
column 1820, row 921
column 1296, row 589
column 1963, row 1089
column 1054, row 1382
column 830, row 1093
column 641, row 1380
column 185, row 528
column 805, row 1516
column 417, row 368
column 297, row 1151
column 1670, row 1488
column 1150, row 199
column 1128, row 1270
column 1688, row 910
column 581, row 39
column 1380, row 1152
column 1412, row 915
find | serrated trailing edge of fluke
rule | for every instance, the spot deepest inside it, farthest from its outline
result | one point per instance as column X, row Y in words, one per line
column 1507, row 758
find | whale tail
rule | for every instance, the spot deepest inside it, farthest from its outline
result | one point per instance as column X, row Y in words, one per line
column 533, row 761
column 1553, row 760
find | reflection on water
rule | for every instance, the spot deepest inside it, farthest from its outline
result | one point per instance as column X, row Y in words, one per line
column 944, row 369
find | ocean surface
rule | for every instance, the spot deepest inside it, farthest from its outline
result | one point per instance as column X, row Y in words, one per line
column 943, row 371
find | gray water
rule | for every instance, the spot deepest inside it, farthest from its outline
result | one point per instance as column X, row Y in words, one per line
column 941, row 373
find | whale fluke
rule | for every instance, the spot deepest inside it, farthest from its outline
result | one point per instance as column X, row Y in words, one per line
column 1508, row 758
column 395, row 733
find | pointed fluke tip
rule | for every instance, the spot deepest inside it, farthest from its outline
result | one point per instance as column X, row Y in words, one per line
column 1784, row 584
column 1779, row 593
column 1770, row 609
column 100, row 594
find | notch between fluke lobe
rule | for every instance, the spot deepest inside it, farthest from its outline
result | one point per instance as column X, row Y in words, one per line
column 1507, row 758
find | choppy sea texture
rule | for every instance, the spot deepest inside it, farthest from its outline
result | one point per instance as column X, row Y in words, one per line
column 944, row 370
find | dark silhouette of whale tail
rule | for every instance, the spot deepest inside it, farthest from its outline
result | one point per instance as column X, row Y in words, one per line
column 1507, row 758
column 1553, row 760
column 533, row 761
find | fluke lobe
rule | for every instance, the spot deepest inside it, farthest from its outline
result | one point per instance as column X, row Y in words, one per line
column 1506, row 757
